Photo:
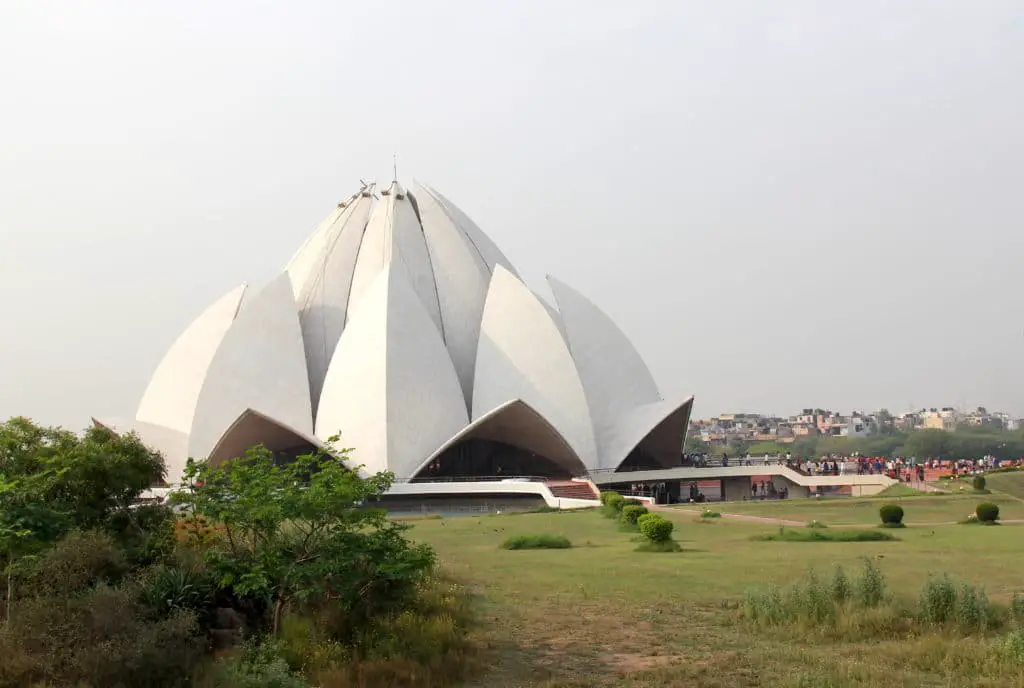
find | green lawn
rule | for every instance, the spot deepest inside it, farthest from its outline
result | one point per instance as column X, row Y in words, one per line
column 1010, row 483
column 602, row 614
column 847, row 511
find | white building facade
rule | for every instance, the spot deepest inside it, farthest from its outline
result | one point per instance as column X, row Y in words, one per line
column 400, row 326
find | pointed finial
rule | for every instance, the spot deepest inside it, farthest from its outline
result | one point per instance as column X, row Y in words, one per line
column 394, row 166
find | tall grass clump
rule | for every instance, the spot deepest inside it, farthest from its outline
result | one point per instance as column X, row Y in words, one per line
column 871, row 587
column 966, row 607
column 938, row 599
column 536, row 541
column 818, row 535
column 840, row 586
column 1017, row 611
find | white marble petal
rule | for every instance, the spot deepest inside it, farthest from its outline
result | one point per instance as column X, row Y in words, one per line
column 391, row 390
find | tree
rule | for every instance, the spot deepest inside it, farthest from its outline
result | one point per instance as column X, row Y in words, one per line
column 302, row 532
column 886, row 423
column 53, row 481
column 737, row 447
column 928, row 444
column 695, row 445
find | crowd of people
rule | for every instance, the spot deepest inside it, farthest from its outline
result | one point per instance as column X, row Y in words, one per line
column 906, row 469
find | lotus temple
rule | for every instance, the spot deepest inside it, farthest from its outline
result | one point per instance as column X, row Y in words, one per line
column 400, row 326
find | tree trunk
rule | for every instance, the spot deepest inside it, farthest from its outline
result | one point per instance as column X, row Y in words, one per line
column 10, row 596
column 277, row 615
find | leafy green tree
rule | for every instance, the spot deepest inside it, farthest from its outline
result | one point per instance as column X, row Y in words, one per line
column 886, row 422
column 928, row 444
column 806, row 448
column 737, row 447
column 53, row 481
column 302, row 532
column 695, row 445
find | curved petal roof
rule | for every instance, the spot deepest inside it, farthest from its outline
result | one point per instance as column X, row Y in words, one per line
column 518, row 424
column 401, row 325
column 391, row 390
column 522, row 355
column 259, row 365
column 173, row 391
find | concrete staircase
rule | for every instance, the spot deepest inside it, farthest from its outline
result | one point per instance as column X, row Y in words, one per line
column 571, row 489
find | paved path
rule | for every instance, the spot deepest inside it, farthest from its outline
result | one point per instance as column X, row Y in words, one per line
column 783, row 522
column 735, row 517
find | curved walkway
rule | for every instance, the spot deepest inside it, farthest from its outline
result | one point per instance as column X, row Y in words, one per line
column 768, row 520
column 712, row 472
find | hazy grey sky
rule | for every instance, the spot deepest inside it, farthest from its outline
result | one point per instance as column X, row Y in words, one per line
column 783, row 204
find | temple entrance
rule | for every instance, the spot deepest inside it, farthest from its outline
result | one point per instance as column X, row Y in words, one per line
column 476, row 458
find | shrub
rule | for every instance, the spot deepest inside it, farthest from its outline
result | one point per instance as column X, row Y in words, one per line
column 821, row 535
column 536, row 541
column 607, row 495
column 973, row 612
column 657, row 528
column 871, row 585
column 1017, row 610
column 253, row 666
column 978, row 483
column 938, row 599
column 987, row 512
column 708, row 513
column 841, row 589
column 816, row 524
column 613, row 505
column 891, row 515
column 1011, row 648
column 167, row 589
column 78, row 562
column 101, row 637
column 631, row 512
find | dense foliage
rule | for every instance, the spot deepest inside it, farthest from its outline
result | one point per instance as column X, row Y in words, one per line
column 631, row 512
column 297, row 535
column 536, row 541
column 987, row 512
column 962, row 443
column 656, row 528
column 103, row 588
column 891, row 514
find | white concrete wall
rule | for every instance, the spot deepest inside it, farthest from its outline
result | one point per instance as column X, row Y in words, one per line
column 491, row 487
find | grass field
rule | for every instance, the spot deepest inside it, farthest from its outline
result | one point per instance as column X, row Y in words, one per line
column 845, row 511
column 1010, row 483
column 602, row 614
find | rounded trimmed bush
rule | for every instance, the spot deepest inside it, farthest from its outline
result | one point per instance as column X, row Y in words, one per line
column 657, row 528
column 644, row 517
column 978, row 483
column 891, row 515
column 608, row 494
column 613, row 505
column 631, row 513
column 987, row 512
